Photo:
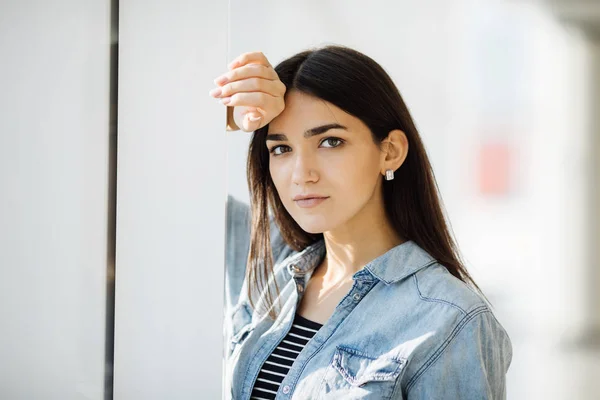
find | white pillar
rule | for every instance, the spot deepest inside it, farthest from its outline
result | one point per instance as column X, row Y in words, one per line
column 593, row 334
column 171, row 196
column 586, row 16
column 54, row 150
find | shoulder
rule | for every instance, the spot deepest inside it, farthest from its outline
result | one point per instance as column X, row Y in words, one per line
column 435, row 284
column 463, row 328
column 440, row 304
column 446, row 305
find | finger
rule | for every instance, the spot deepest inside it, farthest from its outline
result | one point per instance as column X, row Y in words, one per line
column 249, row 99
column 274, row 88
column 246, row 58
column 247, row 71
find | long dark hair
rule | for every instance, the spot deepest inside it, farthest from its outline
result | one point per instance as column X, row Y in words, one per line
column 358, row 85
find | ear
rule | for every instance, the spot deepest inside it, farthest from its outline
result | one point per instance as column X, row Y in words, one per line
column 394, row 150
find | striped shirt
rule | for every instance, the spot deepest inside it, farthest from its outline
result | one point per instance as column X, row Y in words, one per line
column 279, row 362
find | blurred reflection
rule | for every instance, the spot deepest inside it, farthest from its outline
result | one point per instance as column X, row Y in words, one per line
column 505, row 95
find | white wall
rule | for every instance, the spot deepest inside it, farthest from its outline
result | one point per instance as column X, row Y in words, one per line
column 171, row 194
column 54, row 139
column 56, row 223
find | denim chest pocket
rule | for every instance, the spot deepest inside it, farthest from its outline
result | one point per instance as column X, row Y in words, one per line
column 354, row 374
column 241, row 326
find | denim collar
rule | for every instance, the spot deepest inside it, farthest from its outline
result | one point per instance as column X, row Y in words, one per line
column 395, row 264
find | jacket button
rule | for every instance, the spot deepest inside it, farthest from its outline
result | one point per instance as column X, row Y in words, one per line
column 300, row 288
column 356, row 296
column 295, row 268
column 286, row 389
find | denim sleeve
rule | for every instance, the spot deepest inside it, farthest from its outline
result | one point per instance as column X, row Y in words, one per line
column 237, row 244
column 470, row 364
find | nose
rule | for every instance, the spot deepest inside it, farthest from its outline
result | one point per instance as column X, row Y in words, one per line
column 303, row 170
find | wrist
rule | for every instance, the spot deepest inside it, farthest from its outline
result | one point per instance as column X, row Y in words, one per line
column 231, row 125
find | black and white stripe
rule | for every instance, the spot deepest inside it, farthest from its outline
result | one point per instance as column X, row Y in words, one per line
column 279, row 362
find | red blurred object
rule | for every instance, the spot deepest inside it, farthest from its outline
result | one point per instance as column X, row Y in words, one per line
column 494, row 169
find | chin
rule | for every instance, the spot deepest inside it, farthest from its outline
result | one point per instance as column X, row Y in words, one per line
column 312, row 231
column 314, row 224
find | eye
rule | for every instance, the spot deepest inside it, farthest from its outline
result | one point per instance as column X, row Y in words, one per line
column 273, row 150
column 334, row 139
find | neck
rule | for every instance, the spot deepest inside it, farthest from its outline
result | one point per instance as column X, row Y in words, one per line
column 351, row 246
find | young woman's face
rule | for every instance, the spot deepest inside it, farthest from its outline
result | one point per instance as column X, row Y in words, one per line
column 318, row 149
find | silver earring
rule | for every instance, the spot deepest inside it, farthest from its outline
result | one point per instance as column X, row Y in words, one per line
column 389, row 174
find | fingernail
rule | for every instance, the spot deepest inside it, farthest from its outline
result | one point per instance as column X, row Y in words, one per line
column 215, row 92
column 220, row 80
column 225, row 100
column 254, row 118
column 232, row 64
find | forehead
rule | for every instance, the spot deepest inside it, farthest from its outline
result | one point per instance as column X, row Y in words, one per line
column 303, row 112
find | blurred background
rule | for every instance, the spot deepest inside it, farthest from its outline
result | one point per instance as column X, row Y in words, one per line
column 506, row 96
column 111, row 251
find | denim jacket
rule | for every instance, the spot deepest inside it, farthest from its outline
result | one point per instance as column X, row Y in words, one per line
column 407, row 329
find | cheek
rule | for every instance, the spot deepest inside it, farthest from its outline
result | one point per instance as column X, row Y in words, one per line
column 275, row 177
column 357, row 174
column 279, row 181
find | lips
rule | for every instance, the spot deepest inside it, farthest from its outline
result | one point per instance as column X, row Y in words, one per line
column 310, row 201
column 309, row 196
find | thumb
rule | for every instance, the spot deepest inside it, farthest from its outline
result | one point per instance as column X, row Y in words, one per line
column 253, row 121
column 254, row 117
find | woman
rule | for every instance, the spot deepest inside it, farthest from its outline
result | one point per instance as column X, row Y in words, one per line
column 353, row 287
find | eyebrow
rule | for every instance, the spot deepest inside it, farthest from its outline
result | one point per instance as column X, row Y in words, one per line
column 318, row 130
